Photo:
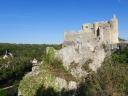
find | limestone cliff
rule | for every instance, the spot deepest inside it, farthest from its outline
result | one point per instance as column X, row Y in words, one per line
column 76, row 58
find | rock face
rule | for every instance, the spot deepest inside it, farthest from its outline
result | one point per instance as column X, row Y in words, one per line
column 72, row 85
column 62, row 83
column 74, row 57
column 68, row 55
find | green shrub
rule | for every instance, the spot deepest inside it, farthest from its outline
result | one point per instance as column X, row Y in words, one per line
column 50, row 55
column 3, row 93
column 120, row 56
column 50, row 58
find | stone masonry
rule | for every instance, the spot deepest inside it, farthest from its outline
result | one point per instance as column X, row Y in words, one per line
column 104, row 31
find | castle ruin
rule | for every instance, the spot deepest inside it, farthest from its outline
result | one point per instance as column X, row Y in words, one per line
column 104, row 31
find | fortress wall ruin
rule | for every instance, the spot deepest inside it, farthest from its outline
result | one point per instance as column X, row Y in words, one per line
column 105, row 31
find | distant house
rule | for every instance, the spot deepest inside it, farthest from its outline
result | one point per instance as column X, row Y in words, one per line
column 7, row 55
column 34, row 61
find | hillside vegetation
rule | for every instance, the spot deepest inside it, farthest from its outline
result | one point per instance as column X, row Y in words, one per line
column 13, row 69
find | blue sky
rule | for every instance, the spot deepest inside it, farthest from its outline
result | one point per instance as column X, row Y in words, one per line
column 44, row 21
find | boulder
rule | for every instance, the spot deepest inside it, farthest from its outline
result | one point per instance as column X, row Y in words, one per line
column 61, row 83
column 72, row 85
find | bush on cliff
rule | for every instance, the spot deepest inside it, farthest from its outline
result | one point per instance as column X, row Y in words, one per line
column 2, row 93
column 111, row 79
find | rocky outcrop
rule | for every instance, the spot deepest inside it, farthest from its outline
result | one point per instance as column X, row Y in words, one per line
column 72, row 85
column 74, row 57
column 63, row 84
column 41, row 75
column 77, row 60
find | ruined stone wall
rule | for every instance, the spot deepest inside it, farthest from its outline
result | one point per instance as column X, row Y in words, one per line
column 115, row 30
column 105, row 31
column 86, row 38
column 70, row 38
column 78, row 39
column 88, row 27
column 110, row 31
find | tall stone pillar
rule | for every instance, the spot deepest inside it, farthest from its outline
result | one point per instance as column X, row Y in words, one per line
column 114, row 34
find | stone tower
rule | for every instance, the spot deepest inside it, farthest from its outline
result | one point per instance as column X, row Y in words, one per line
column 114, row 35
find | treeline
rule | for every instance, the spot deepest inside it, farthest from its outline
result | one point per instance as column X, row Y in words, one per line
column 26, row 50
